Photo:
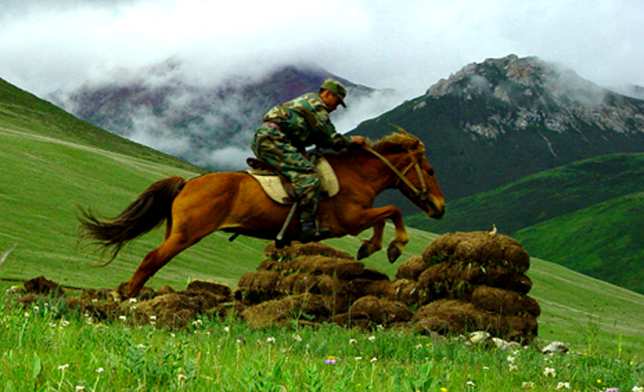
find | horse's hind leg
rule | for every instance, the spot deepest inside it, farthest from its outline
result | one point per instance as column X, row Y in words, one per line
column 156, row 259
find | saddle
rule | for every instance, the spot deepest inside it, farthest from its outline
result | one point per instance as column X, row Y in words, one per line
column 280, row 189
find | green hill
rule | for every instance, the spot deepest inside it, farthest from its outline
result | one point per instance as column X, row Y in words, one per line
column 52, row 163
column 585, row 216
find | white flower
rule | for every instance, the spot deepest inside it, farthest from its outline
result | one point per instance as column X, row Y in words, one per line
column 197, row 323
column 637, row 389
column 26, row 315
column 419, row 346
column 133, row 300
column 297, row 337
column 140, row 347
column 100, row 370
column 153, row 317
column 182, row 377
column 513, row 368
column 511, row 359
column 374, row 359
column 63, row 367
column 549, row 372
column 358, row 358
column 226, row 329
column 122, row 317
column 270, row 340
column 470, row 383
column 79, row 388
column 36, row 308
column 527, row 385
column 372, row 338
column 353, row 341
column 563, row 385
column 64, row 323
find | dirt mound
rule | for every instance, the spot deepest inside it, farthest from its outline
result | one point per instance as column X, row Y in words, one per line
column 462, row 282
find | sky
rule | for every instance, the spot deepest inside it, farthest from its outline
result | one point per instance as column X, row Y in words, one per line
column 407, row 45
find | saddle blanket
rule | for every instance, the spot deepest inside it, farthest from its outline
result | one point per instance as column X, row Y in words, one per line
column 274, row 188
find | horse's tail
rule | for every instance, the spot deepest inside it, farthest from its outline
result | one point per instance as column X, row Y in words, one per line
column 147, row 212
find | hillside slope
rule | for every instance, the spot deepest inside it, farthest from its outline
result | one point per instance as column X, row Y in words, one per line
column 559, row 199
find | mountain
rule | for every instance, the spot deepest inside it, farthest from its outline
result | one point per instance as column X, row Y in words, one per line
column 585, row 216
column 495, row 122
column 208, row 123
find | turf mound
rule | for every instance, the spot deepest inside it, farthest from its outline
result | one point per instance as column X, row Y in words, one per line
column 463, row 282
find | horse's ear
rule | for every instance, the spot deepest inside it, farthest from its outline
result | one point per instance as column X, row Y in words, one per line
column 401, row 130
column 415, row 144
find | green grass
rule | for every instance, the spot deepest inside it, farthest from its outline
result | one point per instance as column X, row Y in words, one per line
column 45, row 348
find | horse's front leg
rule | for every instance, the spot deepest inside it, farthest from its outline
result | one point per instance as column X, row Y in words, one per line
column 375, row 217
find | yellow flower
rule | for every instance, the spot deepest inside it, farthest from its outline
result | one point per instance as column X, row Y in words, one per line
column 599, row 381
column 443, row 389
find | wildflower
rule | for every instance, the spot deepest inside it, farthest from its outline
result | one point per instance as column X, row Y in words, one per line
column 36, row 308
column 100, row 370
column 63, row 367
column 297, row 337
column 353, row 341
column 513, row 368
column 140, row 347
column 527, row 385
column 549, row 372
column 133, row 300
column 227, row 329
column 197, row 323
column 79, row 388
column 372, row 338
column 470, row 383
column 182, row 377
column 26, row 315
column 563, row 385
column 510, row 359
column 64, row 323
column 358, row 358
column 419, row 346
column 637, row 389
column 270, row 340
column 374, row 359
column 241, row 340
column 94, row 300
column 486, row 368
column 122, row 317
column 443, row 389
column 612, row 390
column 330, row 361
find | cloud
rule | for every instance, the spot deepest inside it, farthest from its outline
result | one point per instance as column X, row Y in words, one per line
column 406, row 45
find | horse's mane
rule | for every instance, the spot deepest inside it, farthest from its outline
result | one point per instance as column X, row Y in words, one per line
column 390, row 144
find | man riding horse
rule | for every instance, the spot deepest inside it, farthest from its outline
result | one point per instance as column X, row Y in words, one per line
column 287, row 131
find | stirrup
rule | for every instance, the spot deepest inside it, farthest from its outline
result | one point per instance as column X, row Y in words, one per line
column 309, row 232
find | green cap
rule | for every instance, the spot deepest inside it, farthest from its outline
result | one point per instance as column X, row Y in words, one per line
column 336, row 88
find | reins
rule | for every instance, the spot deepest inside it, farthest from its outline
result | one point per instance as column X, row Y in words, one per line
column 401, row 175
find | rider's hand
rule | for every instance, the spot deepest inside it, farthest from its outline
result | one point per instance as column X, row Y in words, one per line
column 359, row 140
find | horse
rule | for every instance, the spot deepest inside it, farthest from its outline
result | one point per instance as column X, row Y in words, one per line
column 234, row 202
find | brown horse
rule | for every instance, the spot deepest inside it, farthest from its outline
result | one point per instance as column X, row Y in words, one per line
column 234, row 202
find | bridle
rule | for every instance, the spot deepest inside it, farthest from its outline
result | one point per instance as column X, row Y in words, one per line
column 423, row 194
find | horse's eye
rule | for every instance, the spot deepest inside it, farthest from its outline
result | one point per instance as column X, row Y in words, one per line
column 430, row 171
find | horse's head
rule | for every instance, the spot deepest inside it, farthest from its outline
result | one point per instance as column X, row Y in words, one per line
column 416, row 178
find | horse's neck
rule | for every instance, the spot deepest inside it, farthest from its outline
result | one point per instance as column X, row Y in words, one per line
column 370, row 169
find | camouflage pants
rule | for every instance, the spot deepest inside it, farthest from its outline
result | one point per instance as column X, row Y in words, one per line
column 272, row 146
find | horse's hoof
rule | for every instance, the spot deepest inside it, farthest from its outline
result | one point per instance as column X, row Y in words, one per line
column 364, row 251
column 393, row 253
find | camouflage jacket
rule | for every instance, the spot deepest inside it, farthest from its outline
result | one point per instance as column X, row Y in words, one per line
column 305, row 121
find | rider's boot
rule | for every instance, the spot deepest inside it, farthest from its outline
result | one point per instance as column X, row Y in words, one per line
column 309, row 232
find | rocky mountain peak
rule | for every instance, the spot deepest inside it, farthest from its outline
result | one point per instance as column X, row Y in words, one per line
column 529, row 92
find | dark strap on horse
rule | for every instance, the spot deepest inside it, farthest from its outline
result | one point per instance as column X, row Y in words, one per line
column 401, row 175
